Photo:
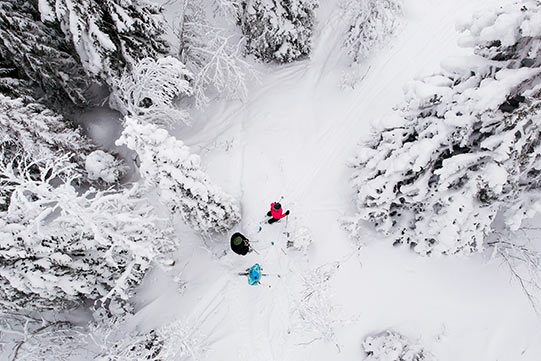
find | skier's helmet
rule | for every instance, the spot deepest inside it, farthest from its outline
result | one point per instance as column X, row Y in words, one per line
column 237, row 241
column 277, row 206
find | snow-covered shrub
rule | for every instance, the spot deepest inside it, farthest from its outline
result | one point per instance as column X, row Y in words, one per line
column 38, row 339
column 180, row 340
column 278, row 30
column 36, row 59
column 103, row 166
column 39, row 132
column 230, row 9
column 520, row 254
column 168, row 164
column 314, row 313
column 210, row 53
column 391, row 346
column 300, row 239
column 108, row 34
column 370, row 22
column 465, row 147
column 149, row 88
column 59, row 247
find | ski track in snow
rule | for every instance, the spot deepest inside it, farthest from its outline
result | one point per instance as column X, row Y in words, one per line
column 293, row 137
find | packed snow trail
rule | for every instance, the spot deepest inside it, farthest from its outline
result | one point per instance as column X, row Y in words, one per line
column 293, row 137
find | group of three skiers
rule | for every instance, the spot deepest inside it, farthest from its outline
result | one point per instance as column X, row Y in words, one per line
column 241, row 245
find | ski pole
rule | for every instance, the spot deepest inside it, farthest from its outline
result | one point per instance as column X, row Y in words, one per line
column 252, row 249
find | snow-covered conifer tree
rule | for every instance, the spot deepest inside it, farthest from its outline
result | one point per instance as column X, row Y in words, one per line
column 278, row 30
column 108, row 34
column 370, row 22
column 35, row 59
column 40, row 132
column 168, row 164
column 59, row 247
column 149, row 88
column 467, row 145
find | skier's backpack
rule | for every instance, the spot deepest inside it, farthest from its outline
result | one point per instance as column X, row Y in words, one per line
column 254, row 274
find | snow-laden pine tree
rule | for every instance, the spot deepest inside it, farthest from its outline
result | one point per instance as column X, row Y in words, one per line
column 369, row 22
column 35, row 59
column 183, row 187
column 39, row 131
column 467, row 145
column 278, row 30
column 213, row 54
column 108, row 34
column 149, row 89
column 60, row 247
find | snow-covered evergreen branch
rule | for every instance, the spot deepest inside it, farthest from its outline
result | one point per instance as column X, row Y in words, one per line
column 36, row 59
column 40, row 132
column 109, row 35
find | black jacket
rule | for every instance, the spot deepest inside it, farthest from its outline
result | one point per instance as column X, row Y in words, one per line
column 242, row 248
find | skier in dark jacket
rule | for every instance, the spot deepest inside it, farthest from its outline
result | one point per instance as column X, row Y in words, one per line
column 240, row 244
column 276, row 212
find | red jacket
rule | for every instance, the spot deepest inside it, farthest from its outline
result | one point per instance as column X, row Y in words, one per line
column 277, row 214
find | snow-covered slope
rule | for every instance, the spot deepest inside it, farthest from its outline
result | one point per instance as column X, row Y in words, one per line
column 292, row 137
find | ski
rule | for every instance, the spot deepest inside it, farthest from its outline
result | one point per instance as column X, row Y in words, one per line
column 247, row 273
column 262, row 274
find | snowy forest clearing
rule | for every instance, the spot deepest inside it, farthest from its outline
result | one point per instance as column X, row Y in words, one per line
column 293, row 137
column 359, row 116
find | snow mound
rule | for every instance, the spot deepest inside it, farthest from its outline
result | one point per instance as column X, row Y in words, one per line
column 391, row 346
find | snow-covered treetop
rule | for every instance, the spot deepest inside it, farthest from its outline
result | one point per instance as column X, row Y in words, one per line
column 466, row 145
column 370, row 22
column 278, row 30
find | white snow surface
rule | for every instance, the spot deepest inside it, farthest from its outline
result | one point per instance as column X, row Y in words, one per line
column 293, row 137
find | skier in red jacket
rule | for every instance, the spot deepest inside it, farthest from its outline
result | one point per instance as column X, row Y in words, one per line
column 276, row 212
